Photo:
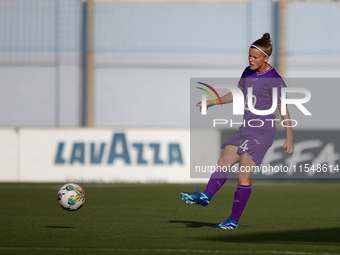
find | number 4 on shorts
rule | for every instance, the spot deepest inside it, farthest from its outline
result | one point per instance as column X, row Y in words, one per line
column 244, row 145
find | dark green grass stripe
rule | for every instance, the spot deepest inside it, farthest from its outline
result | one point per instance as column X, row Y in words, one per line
column 159, row 250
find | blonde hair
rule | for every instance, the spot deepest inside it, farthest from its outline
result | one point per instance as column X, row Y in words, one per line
column 264, row 43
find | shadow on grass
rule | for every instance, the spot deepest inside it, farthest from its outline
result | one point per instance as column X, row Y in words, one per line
column 322, row 236
column 57, row 227
column 318, row 236
column 194, row 224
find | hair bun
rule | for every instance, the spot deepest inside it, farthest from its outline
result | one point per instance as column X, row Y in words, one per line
column 266, row 36
column 264, row 44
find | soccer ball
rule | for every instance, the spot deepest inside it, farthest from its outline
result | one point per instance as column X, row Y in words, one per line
column 71, row 196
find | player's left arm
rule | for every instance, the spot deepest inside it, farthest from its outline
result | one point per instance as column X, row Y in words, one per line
column 288, row 144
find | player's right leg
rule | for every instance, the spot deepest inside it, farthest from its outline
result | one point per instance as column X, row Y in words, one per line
column 226, row 161
column 229, row 157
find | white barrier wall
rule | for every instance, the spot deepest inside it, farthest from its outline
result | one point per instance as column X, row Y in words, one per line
column 9, row 156
column 98, row 155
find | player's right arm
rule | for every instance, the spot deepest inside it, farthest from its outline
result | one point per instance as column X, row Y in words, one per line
column 228, row 98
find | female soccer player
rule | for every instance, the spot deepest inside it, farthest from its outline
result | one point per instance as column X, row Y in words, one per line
column 251, row 142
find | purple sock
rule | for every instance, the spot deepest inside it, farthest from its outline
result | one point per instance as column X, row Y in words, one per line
column 216, row 181
column 240, row 200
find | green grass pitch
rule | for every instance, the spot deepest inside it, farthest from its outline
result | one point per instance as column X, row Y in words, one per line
column 280, row 218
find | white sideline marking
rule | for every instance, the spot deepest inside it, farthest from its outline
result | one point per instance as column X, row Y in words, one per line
column 157, row 250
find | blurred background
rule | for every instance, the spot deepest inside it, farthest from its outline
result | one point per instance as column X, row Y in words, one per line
column 99, row 90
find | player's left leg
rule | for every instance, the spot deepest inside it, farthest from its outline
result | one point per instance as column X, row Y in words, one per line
column 242, row 193
column 254, row 144
column 244, row 186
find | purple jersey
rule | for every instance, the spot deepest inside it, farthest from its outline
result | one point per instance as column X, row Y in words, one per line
column 263, row 84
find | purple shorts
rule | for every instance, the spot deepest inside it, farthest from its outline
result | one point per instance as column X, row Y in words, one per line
column 255, row 142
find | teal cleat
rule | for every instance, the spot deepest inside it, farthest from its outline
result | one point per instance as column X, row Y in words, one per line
column 228, row 224
column 200, row 198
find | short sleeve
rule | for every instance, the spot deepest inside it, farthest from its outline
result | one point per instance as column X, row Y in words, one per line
column 242, row 81
column 279, row 84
